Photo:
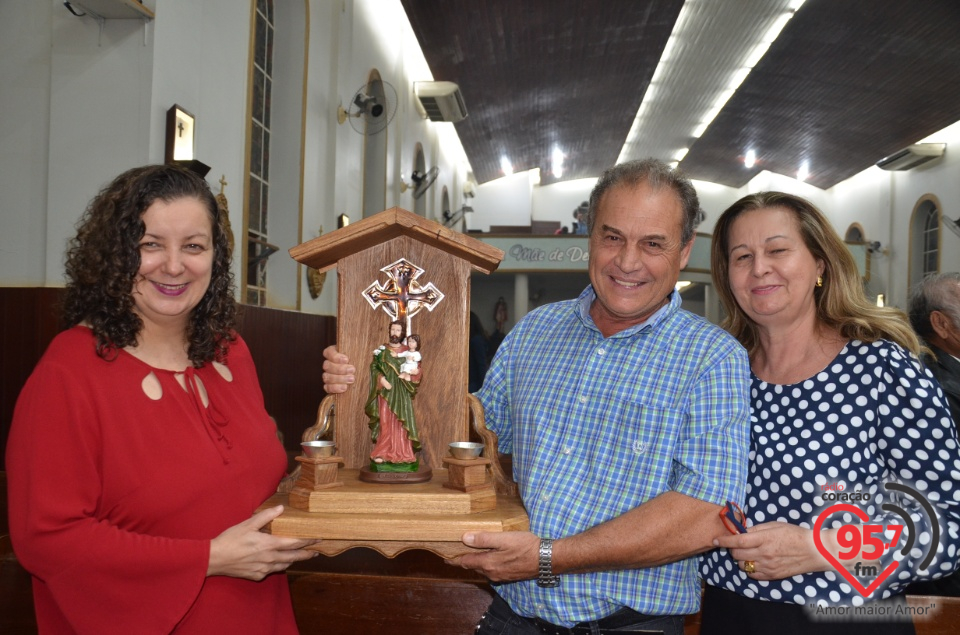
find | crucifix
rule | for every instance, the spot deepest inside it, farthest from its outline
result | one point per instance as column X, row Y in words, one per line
column 180, row 127
column 402, row 297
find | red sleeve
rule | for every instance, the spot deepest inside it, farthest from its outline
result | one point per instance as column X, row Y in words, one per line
column 89, row 573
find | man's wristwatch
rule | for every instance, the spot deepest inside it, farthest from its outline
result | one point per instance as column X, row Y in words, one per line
column 545, row 577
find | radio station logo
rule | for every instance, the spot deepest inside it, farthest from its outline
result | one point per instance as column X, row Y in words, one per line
column 869, row 541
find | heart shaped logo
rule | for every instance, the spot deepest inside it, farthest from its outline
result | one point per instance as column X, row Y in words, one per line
column 854, row 582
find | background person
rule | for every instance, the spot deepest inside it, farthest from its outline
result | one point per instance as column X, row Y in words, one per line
column 140, row 445
column 626, row 417
column 479, row 353
column 934, row 309
column 839, row 402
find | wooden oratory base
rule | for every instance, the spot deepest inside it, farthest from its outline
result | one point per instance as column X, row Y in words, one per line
column 338, row 506
column 393, row 518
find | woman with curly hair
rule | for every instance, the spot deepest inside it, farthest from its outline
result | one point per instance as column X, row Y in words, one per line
column 140, row 444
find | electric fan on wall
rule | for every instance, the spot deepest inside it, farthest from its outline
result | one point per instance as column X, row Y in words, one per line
column 421, row 181
column 371, row 108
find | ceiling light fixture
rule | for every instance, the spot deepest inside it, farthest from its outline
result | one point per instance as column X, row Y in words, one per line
column 506, row 166
column 750, row 160
column 679, row 154
column 738, row 77
column 804, row 171
column 557, row 162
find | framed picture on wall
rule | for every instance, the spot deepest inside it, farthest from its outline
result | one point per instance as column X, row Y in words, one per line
column 180, row 135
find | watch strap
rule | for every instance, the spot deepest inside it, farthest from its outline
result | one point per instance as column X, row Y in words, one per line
column 545, row 577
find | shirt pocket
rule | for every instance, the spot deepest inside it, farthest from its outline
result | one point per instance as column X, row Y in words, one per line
column 634, row 450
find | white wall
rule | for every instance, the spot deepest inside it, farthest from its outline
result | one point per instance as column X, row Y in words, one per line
column 25, row 71
column 99, row 116
column 504, row 201
column 556, row 202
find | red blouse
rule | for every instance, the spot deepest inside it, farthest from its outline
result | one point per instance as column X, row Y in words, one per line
column 120, row 474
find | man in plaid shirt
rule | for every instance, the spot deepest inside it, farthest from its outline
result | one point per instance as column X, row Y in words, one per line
column 627, row 420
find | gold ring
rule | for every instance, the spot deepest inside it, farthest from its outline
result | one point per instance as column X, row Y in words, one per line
column 749, row 566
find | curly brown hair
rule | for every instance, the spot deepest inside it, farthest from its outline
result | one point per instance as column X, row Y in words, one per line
column 103, row 259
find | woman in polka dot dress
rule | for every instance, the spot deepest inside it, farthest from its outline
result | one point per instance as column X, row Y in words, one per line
column 840, row 405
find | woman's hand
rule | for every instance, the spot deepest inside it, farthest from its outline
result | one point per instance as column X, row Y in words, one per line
column 338, row 373
column 243, row 551
column 778, row 550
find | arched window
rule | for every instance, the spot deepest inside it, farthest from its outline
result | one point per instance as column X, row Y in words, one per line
column 445, row 213
column 258, row 199
column 275, row 172
column 925, row 238
column 854, row 234
column 420, row 166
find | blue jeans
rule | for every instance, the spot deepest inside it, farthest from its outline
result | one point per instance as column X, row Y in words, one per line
column 500, row 619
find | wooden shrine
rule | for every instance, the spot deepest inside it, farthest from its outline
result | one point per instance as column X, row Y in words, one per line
column 397, row 265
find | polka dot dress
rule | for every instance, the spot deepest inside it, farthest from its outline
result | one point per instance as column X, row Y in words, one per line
column 873, row 415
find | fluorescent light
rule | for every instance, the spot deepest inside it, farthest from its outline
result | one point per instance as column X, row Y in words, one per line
column 679, row 154
column 758, row 52
column 557, row 162
column 506, row 166
column 880, row 299
column 774, row 31
column 751, row 159
column 738, row 78
column 804, row 171
column 683, row 284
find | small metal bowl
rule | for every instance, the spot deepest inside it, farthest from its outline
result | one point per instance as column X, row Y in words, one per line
column 317, row 449
column 465, row 449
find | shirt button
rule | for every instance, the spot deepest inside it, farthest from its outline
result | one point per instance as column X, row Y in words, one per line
column 583, row 399
column 545, row 498
column 567, row 450
column 600, row 351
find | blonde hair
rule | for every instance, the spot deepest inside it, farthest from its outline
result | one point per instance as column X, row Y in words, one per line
column 841, row 302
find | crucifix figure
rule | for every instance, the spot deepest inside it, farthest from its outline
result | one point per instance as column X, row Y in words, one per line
column 402, row 297
column 180, row 127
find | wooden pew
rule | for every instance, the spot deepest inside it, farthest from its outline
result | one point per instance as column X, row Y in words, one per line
column 943, row 618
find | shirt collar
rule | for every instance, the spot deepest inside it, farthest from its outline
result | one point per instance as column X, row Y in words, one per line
column 587, row 297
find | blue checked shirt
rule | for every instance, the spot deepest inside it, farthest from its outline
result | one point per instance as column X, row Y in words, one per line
column 597, row 426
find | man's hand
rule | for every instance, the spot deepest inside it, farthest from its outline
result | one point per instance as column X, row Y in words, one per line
column 510, row 556
column 338, row 373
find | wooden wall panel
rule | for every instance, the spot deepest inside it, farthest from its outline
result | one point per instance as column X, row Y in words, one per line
column 286, row 346
column 28, row 321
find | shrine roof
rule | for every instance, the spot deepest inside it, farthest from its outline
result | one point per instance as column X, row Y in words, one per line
column 324, row 252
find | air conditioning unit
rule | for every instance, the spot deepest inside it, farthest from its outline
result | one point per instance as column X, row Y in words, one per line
column 441, row 101
column 912, row 156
